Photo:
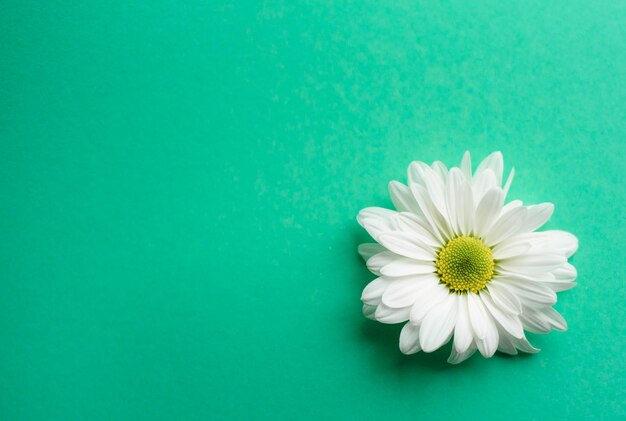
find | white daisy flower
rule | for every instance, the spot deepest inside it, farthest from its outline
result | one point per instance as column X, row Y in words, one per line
column 454, row 261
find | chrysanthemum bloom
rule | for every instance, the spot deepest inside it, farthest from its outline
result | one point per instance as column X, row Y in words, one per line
column 454, row 261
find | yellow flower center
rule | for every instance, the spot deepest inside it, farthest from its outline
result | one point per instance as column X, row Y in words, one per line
column 465, row 264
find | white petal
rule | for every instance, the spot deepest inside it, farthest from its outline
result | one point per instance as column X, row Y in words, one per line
column 430, row 297
column 367, row 250
column 482, row 183
column 537, row 216
column 509, row 180
column 504, row 342
column 534, row 277
column 559, row 286
column 385, row 314
column 466, row 166
column 436, row 191
column 504, row 298
column 528, row 292
column 453, row 190
column 510, row 249
column 484, row 327
column 534, row 321
column 407, row 245
column 511, row 205
column 376, row 220
column 376, row 262
column 524, row 346
column 375, row 211
column 416, row 172
column 439, row 226
column 548, row 280
column 465, row 208
column 402, row 292
column 532, row 263
column 510, row 322
column 405, row 266
column 494, row 163
column 463, row 335
column 559, row 241
column 457, row 357
column 487, row 211
column 556, row 320
column 506, row 225
column 506, row 346
column 419, row 227
column 440, row 169
column 516, row 241
column 489, row 345
column 543, row 319
column 409, row 339
column 566, row 272
column 369, row 311
column 402, row 198
column 437, row 326
column 373, row 292
column 479, row 318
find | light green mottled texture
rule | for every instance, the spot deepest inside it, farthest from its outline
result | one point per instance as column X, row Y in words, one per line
column 179, row 186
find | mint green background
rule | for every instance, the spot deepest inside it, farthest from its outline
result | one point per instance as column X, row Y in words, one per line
column 180, row 181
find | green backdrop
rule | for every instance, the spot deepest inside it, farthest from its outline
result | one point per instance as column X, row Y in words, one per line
column 180, row 182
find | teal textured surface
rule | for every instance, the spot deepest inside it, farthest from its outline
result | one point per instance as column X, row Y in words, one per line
column 180, row 183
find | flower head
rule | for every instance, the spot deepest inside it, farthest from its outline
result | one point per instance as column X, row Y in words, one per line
column 454, row 261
